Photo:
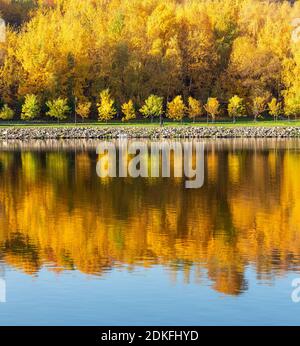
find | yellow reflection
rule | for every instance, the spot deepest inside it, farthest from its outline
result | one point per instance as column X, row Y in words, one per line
column 55, row 211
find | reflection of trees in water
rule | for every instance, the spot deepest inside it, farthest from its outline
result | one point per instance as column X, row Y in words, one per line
column 55, row 211
column 21, row 252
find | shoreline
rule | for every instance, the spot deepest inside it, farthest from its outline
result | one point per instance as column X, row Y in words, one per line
column 81, row 132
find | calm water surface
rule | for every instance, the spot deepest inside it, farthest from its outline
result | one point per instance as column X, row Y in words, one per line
column 76, row 249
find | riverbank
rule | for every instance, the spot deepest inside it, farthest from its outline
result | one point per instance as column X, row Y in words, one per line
column 78, row 131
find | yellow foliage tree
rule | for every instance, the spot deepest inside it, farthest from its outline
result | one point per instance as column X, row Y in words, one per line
column 194, row 108
column 106, row 107
column 275, row 108
column 6, row 113
column 83, row 109
column 258, row 106
column 236, row 107
column 176, row 109
column 128, row 111
column 139, row 48
column 212, row 107
column 292, row 105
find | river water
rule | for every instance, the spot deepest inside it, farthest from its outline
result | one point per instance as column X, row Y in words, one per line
column 77, row 249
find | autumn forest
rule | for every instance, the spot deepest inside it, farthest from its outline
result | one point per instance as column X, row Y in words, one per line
column 108, row 59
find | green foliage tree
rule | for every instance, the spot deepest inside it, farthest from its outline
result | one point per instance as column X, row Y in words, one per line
column 58, row 109
column 106, row 109
column 30, row 108
column 6, row 113
column 236, row 107
column 128, row 111
column 153, row 107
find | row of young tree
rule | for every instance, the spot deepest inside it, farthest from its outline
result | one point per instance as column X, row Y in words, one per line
column 152, row 108
column 71, row 49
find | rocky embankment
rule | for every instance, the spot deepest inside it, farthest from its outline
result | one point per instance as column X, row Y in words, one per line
column 24, row 133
